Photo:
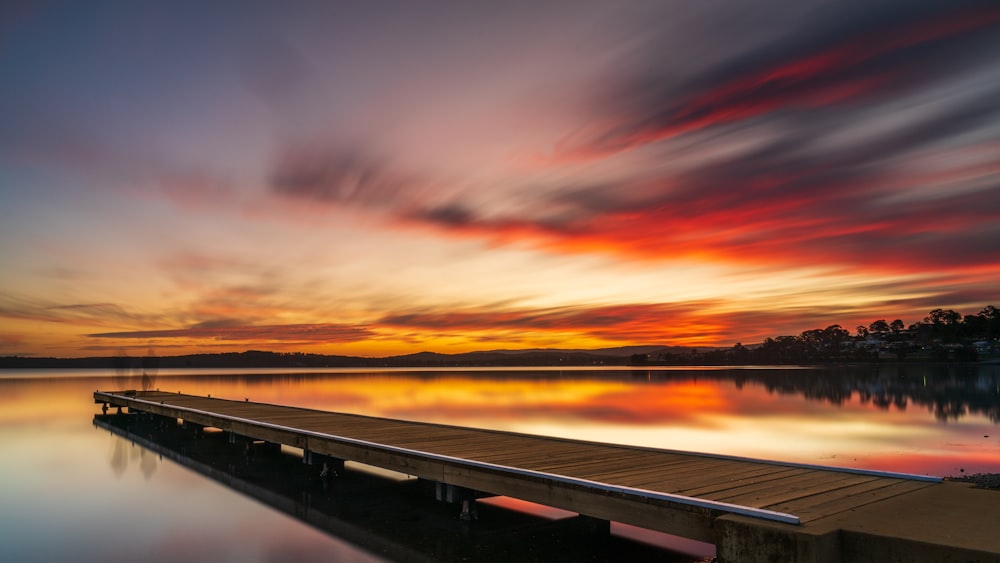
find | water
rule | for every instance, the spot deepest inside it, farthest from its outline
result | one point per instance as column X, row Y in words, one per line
column 72, row 489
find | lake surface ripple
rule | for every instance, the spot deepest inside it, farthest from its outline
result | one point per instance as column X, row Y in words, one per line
column 74, row 488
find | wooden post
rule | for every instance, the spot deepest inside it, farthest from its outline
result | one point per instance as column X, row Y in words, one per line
column 596, row 526
column 331, row 466
column 454, row 494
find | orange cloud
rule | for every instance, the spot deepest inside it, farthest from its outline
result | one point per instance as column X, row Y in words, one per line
column 704, row 323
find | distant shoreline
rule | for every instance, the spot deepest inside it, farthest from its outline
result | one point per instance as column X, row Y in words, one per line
column 507, row 358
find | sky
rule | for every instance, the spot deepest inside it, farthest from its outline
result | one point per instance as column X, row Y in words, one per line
column 381, row 178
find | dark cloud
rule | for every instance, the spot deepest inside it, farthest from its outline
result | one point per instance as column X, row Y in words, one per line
column 648, row 323
column 539, row 318
column 797, row 194
column 338, row 177
column 452, row 215
column 935, row 128
column 843, row 184
column 775, row 208
column 24, row 308
column 227, row 331
column 594, row 199
column 142, row 348
column 790, row 202
column 220, row 324
column 852, row 56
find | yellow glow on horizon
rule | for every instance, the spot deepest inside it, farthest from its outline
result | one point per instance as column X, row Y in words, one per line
column 701, row 305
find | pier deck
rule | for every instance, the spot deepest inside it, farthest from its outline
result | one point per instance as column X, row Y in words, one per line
column 752, row 509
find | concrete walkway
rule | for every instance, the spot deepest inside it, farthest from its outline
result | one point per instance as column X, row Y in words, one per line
column 947, row 523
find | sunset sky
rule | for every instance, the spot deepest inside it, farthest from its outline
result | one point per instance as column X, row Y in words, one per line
column 379, row 178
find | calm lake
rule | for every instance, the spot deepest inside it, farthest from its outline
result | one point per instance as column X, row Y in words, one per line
column 73, row 488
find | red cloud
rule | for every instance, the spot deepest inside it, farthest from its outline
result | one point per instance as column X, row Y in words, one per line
column 787, row 211
column 867, row 66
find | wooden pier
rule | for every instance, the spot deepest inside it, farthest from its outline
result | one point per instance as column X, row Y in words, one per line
column 397, row 520
column 753, row 510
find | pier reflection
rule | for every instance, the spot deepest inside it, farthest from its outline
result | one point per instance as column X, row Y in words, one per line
column 393, row 518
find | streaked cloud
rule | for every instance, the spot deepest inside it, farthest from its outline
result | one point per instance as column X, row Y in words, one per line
column 873, row 56
column 388, row 178
column 802, row 195
column 339, row 177
column 325, row 333
column 86, row 314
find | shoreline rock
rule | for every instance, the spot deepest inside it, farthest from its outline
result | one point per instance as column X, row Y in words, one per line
column 980, row 480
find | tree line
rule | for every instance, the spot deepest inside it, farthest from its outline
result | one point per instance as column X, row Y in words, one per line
column 944, row 334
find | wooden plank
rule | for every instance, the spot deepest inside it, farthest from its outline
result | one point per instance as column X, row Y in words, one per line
column 773, row 495
column 539, row 453
column 728, row 480
column 848, row 498
column 657, row 472
column 618, row 460
column 784, row 483
column 466, row 445
column 690, row 471
column 523, row 459
column 682, row 485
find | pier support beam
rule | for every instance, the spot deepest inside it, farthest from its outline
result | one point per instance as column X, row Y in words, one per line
column 331, row 466
column 236, row 438
column 751, row 540
column 468, row 510
column 192, row 426
column 595, row 526
column 454, row 494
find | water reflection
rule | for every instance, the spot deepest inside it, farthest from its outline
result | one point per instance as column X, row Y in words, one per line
column 921, row 419
column 61, row 478
column 949, row 391
column 395, row 519
column 119, row 458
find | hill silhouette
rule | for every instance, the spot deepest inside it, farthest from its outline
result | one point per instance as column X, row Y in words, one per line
column 264, row 359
